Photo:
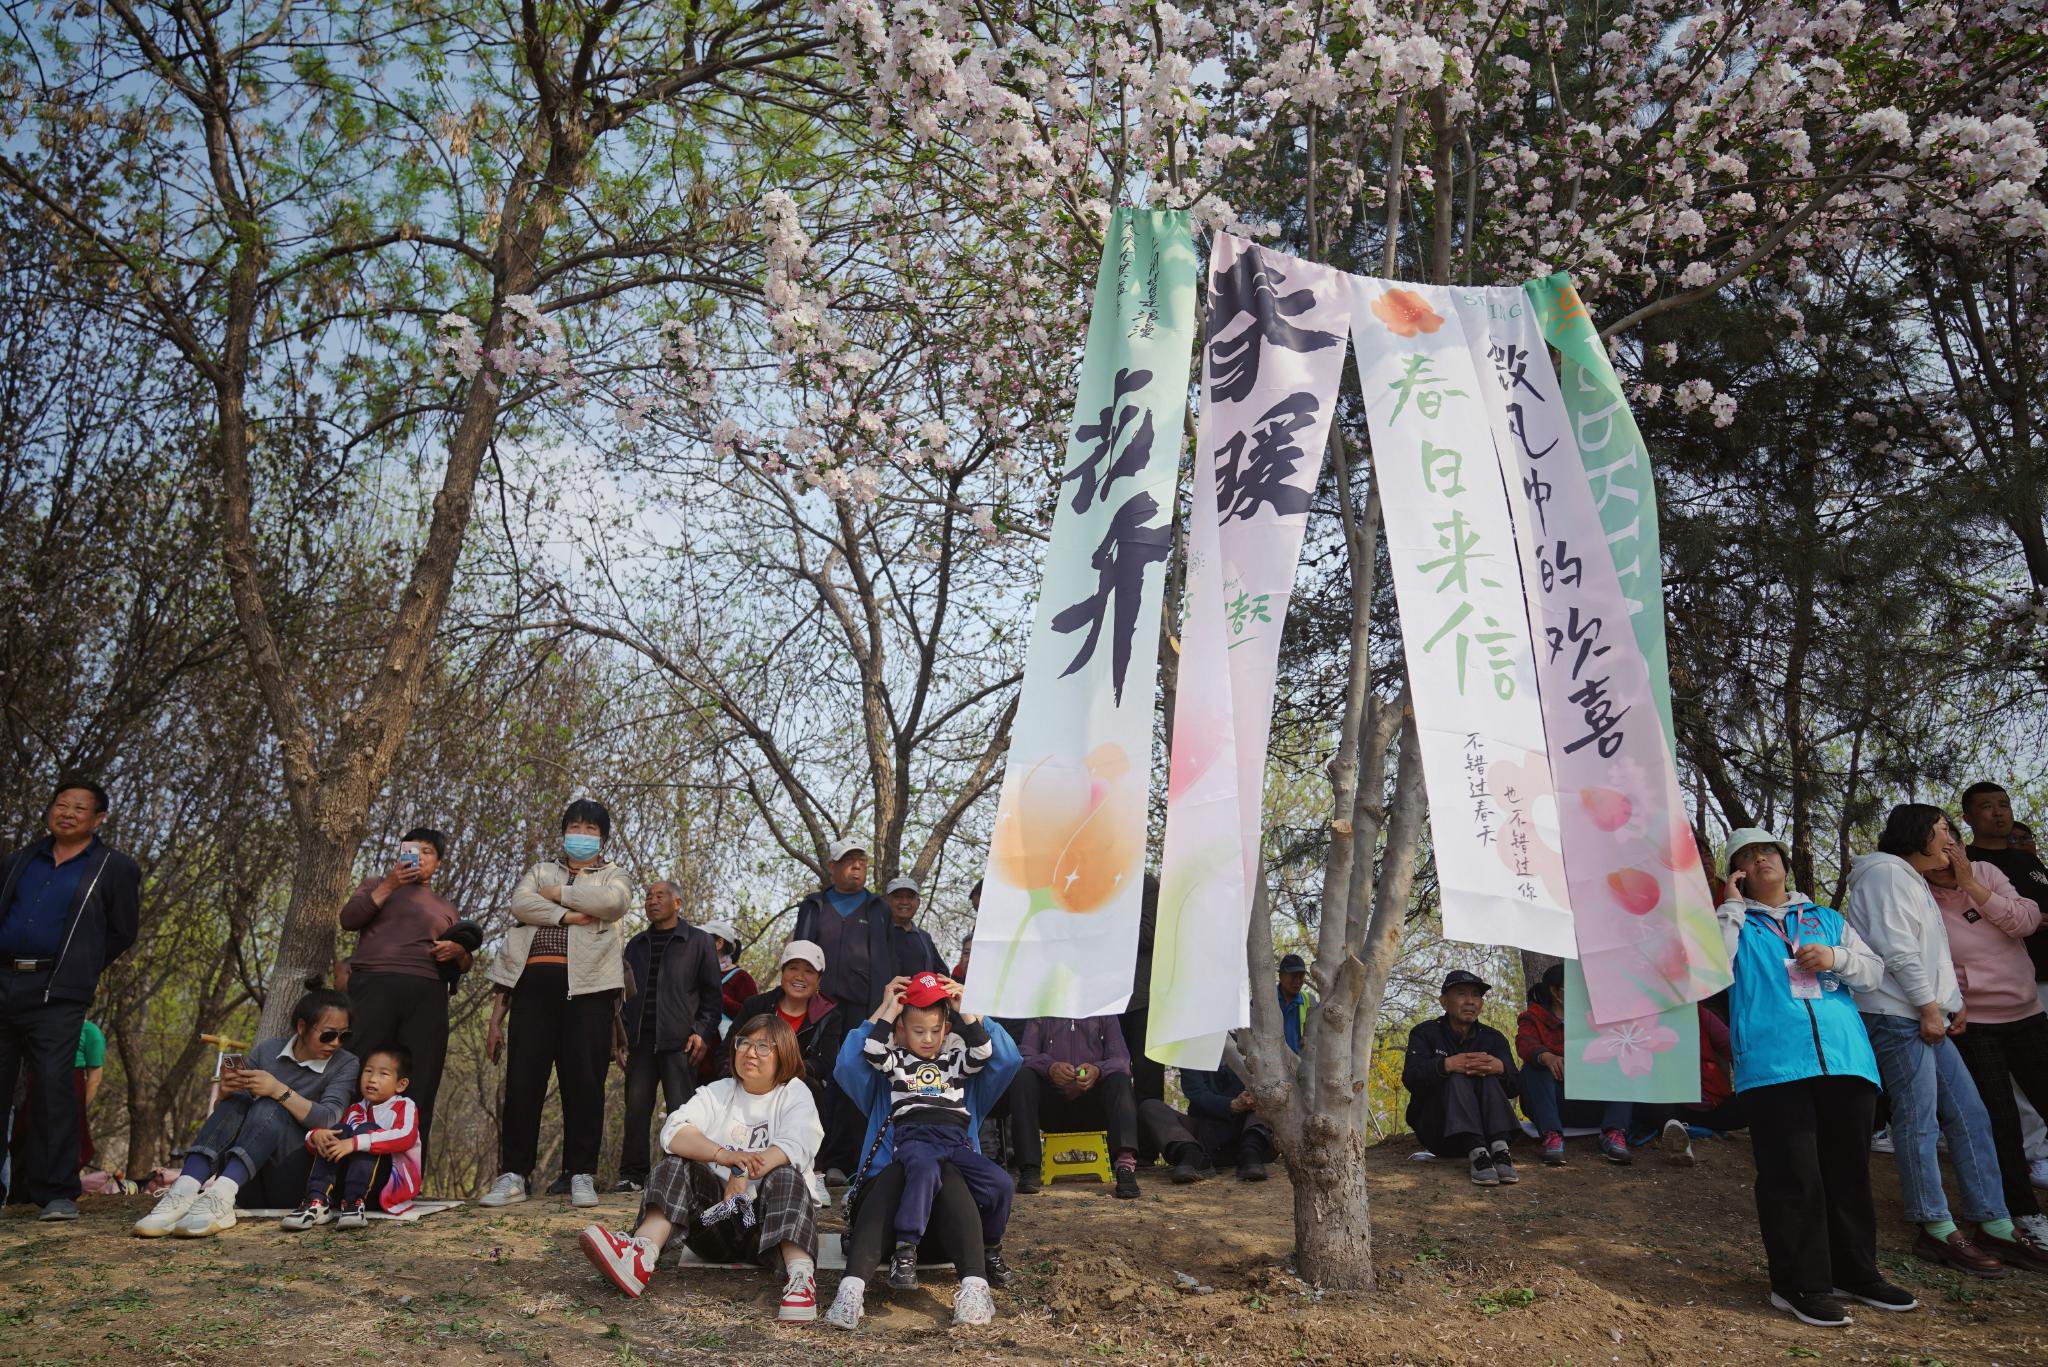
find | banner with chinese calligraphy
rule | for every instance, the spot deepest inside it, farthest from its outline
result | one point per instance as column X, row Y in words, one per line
column 1278, row 328
column 1058, row 926
column 1464, row 623
column 1648, row 944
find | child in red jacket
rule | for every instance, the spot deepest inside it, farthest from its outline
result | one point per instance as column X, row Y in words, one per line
column 372, row 1156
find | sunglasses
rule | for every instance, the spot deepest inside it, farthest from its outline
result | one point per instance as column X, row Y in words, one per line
column 331, row 1036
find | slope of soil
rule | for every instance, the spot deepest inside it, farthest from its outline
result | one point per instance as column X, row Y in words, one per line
column 1587, row 1264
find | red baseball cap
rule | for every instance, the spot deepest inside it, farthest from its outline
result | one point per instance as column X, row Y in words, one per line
column 924, row 989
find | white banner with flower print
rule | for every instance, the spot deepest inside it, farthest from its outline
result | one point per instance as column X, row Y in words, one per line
column 1277, row 332
column 1464, row 623
column 1648, row 944
column 1057, row 931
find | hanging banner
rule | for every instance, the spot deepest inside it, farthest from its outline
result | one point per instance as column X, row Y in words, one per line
column 1464, row 623
column 1277, row 333
column 1058, row 926
column 1648, row 943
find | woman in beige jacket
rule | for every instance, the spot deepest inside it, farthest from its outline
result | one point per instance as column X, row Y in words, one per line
column 560, row 972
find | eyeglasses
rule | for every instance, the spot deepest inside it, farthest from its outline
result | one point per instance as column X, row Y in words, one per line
column 764, row 1047
column 330, row 1036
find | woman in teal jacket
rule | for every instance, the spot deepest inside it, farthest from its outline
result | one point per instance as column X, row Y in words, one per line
column 1808, row 1078
column 877, row 1185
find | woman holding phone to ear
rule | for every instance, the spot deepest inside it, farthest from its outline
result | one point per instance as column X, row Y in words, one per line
column 284, row 1088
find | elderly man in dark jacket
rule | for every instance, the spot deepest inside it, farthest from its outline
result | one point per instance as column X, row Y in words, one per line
column 69, row 905
column 670, row 1020
column 1460, row 1075
column 853, row 927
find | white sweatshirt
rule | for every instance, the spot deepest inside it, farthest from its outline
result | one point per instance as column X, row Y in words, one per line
column 1893, row 909
column 726, row 1113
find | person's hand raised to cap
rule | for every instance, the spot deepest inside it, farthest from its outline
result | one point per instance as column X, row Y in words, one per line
column 892, row 999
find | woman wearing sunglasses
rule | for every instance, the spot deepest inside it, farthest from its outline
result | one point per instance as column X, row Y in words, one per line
column 285, row 1087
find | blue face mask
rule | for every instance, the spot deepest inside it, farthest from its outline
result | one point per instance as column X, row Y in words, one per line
column 580, row 846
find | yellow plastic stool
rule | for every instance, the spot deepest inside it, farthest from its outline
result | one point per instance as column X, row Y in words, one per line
column 1092, row 1148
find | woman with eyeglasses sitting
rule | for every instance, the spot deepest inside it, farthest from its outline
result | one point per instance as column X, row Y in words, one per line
column 285, row 1087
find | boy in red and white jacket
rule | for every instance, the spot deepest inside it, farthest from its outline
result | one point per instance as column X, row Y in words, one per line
column 373, row 1156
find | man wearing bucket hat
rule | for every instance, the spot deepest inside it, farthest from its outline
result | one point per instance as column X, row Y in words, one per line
column 1460, row 1075
column 911, row 945
column 1806, row 1074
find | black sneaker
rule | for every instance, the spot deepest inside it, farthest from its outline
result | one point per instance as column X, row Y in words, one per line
column 1251, row 1170
column 1882, row 1295
column 560, row 1186
column 902, row 1273
column 1028, row 1181
column 994, row 1268
column 1185, row 1172
column 1483, row 1172
column 627, row 1185
column 1126, row 1184
column 1823, row 1312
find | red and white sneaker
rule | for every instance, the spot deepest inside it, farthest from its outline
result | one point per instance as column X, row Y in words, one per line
column 800, row 1298
column 621, row 1257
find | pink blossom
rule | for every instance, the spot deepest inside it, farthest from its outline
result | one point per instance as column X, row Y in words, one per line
column 1631, row 1044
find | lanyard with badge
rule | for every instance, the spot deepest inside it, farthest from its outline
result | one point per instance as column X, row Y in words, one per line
column 1804, row 983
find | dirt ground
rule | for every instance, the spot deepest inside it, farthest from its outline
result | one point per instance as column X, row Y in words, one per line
column 1587, row 1264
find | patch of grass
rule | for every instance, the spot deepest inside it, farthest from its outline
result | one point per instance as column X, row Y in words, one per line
column 1801, row 1353
column 612, row 1331
column 1505, row 1298
column 706, row 1341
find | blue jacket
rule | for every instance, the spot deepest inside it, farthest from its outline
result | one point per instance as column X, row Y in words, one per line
column 869, row 1091
column 1776, row 1037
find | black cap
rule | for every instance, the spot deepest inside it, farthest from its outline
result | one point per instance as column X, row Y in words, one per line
column 1458, row 977
column 1293, row 963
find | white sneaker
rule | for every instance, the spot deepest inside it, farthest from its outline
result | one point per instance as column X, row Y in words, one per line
column 973, row 1304
column 170, row 1208
column 583, row 1190
column 2033, row 1226
column 627, row 1260
column 212, row 1211
column 2037, row 1172
column 799, row 1298
column 1881, row 1142
column 508, row 1190
column 849, row 1305
column 1677, row 1144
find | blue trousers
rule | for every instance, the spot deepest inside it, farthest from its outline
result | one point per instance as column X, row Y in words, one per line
column 924, row 1150
column 1932, row 1094
column 1543, row 1102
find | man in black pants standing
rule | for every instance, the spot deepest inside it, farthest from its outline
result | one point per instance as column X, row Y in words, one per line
column 69, row 905
column 1460, row 1075
column 670, row 1018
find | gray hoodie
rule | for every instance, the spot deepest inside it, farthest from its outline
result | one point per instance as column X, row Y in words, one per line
column 1893, row 909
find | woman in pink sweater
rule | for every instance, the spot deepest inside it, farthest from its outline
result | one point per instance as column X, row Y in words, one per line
column 2003, row 1032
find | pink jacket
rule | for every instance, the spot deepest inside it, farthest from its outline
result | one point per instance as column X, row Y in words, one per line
column 390, row 1129
column 1997, row 975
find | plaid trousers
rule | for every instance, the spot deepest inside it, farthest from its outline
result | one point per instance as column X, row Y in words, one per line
column 784, row 1212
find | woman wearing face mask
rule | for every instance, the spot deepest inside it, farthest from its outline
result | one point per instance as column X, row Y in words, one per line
column 285, row 1087
column 562, row 968
column 1808, row 1082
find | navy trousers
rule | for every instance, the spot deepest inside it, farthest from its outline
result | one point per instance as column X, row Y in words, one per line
column 924, row 1150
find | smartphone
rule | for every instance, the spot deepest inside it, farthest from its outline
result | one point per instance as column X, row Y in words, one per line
column 231, row 1063
column 409, row 853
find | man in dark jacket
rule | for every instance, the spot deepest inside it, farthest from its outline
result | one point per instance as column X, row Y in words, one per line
column 915, row 950
column 853, row 927
column 1076, row 1075
column 1224, row 1122
column 68, row 908
column 1460, row 1075
column 670, row 1019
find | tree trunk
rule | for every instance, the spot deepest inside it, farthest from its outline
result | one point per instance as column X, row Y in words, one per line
column 1332, row 1209
column 321, row 881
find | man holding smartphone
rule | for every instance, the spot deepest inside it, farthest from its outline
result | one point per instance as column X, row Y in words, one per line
column 395, row 987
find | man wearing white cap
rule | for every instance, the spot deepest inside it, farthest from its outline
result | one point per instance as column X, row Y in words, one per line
column 914, row 949
column 853, row 928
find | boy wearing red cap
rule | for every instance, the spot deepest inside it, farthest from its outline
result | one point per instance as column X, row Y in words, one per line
column 926, row 1073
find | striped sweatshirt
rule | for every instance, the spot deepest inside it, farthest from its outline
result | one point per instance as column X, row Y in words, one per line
column 929, row 1091
column 389, row 1129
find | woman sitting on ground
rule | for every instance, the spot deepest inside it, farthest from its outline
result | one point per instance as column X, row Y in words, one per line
column 735, row 1182
column 954, row 1231
column 286, row 1087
